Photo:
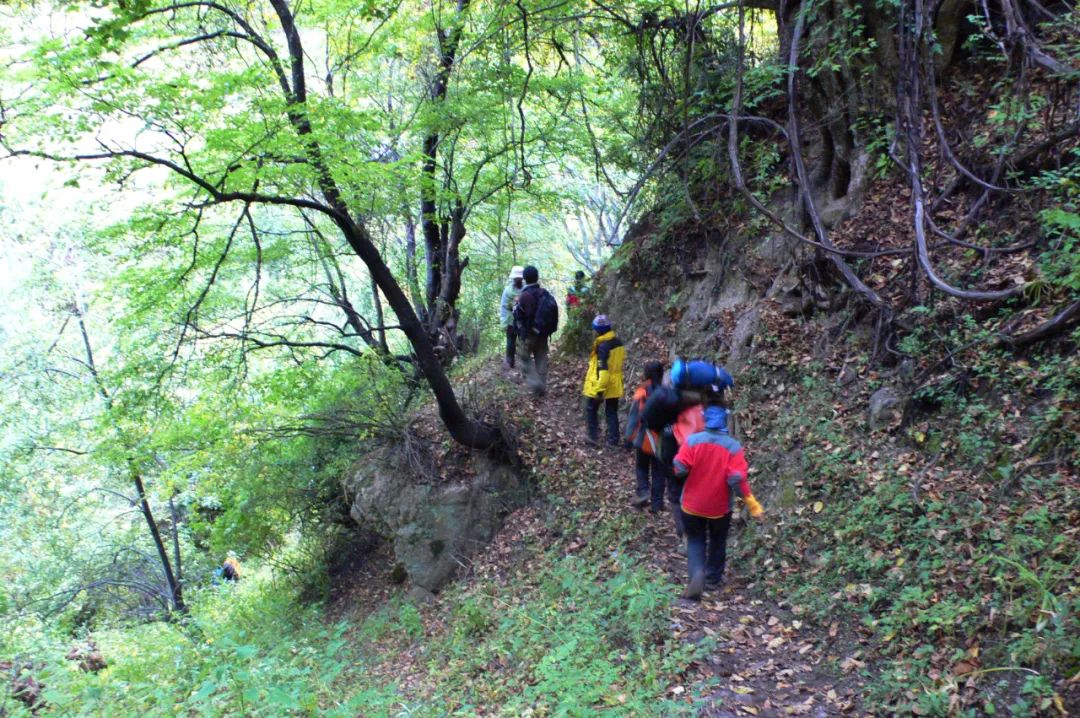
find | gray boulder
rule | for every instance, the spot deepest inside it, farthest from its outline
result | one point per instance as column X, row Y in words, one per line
column 884, row 403
column 435, row 526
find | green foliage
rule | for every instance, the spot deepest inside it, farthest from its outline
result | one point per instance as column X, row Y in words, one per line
column 922, row 572
column 586, row 636
column 245, row 649
column 876, row 138
column 1060, row 265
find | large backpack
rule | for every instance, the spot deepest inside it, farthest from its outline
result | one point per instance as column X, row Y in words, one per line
column 546, row 319
column 699, row 374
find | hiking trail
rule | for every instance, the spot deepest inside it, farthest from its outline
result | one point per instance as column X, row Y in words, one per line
column 768, row 661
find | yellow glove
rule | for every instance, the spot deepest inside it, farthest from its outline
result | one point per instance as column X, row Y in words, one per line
column 753, row 506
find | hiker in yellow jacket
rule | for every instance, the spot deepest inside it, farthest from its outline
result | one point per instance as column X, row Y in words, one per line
column 604, row 381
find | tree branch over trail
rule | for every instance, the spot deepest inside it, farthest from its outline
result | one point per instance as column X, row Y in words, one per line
column 289, row 71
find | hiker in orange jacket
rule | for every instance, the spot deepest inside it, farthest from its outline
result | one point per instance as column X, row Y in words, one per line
column 646, row 442
column 714, row 466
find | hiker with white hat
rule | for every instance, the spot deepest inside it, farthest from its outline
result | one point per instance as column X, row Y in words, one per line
column 514, row 284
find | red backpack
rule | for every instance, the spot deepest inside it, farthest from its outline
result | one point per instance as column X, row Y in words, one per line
column 691, row 420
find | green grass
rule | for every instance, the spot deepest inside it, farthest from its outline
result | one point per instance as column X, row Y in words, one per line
column 580, row 635
column 248, row 649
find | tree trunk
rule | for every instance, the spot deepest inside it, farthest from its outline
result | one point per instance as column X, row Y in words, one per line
column 412, row 272
column 442, row 234
column 176, row 593
column 463, row 429
column 381, row 322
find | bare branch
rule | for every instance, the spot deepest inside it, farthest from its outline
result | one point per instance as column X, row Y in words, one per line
column 1053, row 326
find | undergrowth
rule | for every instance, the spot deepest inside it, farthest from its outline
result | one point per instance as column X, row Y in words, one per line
column 584, row 634
column 246, row 649
column 946, row 539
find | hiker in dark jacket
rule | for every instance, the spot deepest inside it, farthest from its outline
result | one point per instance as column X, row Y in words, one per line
column 714, row 468
column 662, row 410
column 604, row 381
column 646, row 442
column 533, row 347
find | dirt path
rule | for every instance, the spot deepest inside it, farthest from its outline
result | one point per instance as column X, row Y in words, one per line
column 767, row 661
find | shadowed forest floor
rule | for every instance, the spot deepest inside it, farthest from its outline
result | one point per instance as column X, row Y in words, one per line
column 767, row 660
column 757, row 657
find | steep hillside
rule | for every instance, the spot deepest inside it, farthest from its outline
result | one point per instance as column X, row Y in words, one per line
column 919, row 469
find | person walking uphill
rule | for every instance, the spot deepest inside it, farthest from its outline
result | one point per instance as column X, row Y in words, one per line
column 714, row 467
column 536, row 317
column 514, row 284
column 604, row 381
column 646, row 443
column 675, row 411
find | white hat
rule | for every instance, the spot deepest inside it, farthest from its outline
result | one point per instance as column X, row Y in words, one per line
column 517, row 272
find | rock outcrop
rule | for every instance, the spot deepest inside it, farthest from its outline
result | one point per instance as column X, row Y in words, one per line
column 435, row 525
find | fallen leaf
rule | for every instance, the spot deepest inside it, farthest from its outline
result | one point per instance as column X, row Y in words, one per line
column 963, row 667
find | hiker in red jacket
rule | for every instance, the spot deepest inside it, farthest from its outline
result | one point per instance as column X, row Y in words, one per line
column 674, row 411
column 714, row 467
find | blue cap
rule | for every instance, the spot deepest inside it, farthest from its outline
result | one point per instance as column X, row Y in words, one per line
column 601, row 323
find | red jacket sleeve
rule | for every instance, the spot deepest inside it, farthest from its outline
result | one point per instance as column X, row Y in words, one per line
column 736, row 478
column 684, row 460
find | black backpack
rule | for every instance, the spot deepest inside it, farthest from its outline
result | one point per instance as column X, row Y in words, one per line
column 546, row 319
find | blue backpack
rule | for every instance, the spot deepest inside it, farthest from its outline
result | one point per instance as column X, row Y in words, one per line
column 698, row 373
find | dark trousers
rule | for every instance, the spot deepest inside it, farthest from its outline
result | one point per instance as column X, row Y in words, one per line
column 668, row 448
column 511, row 346
column 611, row 414
column 674, row 496
column 533, row 352
column 644, row 465
column 706, row 545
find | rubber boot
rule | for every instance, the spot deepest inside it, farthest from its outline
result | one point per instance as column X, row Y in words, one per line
column 676, row 516
column 696, row 587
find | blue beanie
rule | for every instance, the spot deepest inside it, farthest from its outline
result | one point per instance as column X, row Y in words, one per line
column 601, row 324
column 716, row 419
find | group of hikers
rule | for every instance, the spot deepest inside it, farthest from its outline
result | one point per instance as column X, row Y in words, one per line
column 677, row 425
